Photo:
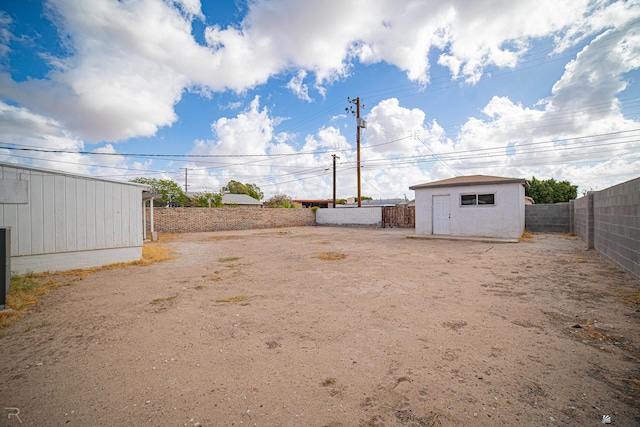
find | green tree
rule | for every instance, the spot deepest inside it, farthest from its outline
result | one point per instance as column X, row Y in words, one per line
column 170, row 190
column 235, row 187
column 551, row 191
column 281, row 201
column 203, row 200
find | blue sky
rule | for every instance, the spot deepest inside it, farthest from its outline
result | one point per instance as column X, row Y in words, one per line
column 256, row 91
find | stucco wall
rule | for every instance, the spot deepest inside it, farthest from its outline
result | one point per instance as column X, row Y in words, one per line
column 505, row 219
column 186, row 220
column 368, row 217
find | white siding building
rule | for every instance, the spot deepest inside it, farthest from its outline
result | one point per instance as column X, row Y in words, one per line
column 61, row 221
column 471, row 206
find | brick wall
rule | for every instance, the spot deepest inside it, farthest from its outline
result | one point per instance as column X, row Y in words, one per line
column 187, row 220
column 551, row 217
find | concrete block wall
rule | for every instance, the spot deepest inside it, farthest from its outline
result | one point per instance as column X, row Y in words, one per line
column 551, row 217
column 187, row 220
column 582, row 218
column 616, row 225
column 367, row 217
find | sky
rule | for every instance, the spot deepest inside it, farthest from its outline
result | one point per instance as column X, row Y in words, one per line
column 258, row 91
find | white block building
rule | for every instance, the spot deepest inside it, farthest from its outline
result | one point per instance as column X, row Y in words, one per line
column 471, row 206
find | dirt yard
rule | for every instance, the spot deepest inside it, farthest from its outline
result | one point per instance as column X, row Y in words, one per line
column 317, row 326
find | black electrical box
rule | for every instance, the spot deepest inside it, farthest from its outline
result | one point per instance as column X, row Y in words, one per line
column 5, row 264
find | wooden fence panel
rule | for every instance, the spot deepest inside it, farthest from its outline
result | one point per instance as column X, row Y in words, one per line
column 399, row 216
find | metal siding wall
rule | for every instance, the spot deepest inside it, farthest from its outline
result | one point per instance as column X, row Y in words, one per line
column 81, row 214
column 72, row 214
column 125, row 211
column 90, row 212
column 49, row 220
column 100, row 215
column 36, row 204
column 10, row 212
column 108, row 218
column 67, row 214
column 117, row 216
column 24, row 222
column 60, row 214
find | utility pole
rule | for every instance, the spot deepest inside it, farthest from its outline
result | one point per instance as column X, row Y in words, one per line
column 185, row 179
column 360, row 123
column 334, row 178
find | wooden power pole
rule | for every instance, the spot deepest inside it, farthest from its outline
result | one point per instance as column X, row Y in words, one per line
column 334, row 178
column 360, row 123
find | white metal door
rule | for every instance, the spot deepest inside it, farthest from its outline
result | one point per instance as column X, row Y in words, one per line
column 441, row 215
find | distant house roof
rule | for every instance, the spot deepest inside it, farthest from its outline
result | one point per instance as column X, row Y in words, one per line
column 462, row 181
column 381, row 202
column 239, row 199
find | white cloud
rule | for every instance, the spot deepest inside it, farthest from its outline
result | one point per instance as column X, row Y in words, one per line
column 570, row 136
column 25, row 130
column 128, row 63
column 5, row 34
column 297, row 86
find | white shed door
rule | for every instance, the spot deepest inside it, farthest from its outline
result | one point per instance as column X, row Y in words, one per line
column 441, row 215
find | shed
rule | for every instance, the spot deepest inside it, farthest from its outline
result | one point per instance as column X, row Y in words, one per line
column 471, row 206
column 61, row 221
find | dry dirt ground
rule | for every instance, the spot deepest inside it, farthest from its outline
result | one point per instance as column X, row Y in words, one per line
column 317, row 326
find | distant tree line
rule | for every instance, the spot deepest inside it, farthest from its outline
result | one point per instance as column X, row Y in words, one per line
column 174, row 195
column 551, row 191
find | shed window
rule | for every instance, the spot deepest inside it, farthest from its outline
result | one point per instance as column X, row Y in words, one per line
column 478, row 199
column 468, row 199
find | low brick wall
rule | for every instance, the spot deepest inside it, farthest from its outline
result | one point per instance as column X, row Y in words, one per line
column 187, row 220
column 551, row 217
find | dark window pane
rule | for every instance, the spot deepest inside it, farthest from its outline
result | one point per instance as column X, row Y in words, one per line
column 486, row 199
column 469, row 199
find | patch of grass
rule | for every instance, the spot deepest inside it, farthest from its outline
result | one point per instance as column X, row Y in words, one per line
column 578, row 261
column 163, row 299
column 331, row 256
column 216, row 238
column 228, row 259
column 23, row 296
column 526, row 236
column 199, row 287
column 238, row 298
column 630, row 297
column 25, row 289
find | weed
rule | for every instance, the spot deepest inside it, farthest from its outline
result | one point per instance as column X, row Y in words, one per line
column 238, row 298
column 228, row 259
column 526, row 236
column 163, row 299
column 329, row 381
column 331, row 256
column 578, row 261
column 199, row 287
